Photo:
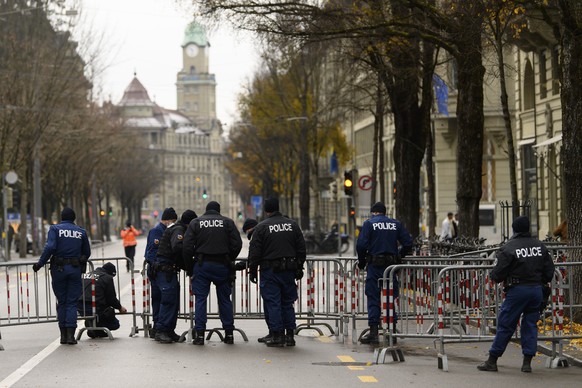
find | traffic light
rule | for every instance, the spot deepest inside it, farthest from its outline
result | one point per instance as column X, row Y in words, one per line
column 102, row 213
column 110, row 211
column 352, row 212
column 333, row 190
column 348, row 183
column 204, row 195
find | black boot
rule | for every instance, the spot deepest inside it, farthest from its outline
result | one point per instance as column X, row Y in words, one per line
column 63, row 335
column 265, row 338
column 526, row 366
column 289, row 337
column 229, row 336
column 490, row 365
column 198, row 338
column 71, row 336
column 163, row 337
column 372, row 337
column 277, row 340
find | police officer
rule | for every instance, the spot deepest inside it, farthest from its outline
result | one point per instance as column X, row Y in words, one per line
column 211, row 244
column 167, row 265
column 377, row 248
column 169, row 216
column 106, row 301
column 278, row 248
column 68, row 249
column 524, row 265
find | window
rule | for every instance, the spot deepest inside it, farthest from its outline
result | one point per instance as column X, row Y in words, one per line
column 543, row 75
column 528, row 87
column 555, row 71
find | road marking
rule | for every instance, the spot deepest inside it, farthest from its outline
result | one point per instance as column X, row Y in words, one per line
column 353, row 367
column 15, row 376
column 346, row 359
column 367, row 379
column 324, row 339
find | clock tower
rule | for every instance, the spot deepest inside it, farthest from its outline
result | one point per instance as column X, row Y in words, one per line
column 196, row 87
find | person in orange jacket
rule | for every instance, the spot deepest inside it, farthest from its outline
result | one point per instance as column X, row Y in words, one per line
column 129, row 242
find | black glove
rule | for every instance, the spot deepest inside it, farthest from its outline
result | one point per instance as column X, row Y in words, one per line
column 253, row 277
column 241, row 265
column 547, row 292
column 361, row 264
column 36, row 267
column 299, row 274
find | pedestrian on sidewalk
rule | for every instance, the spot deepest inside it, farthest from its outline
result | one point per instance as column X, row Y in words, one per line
column 128, row 234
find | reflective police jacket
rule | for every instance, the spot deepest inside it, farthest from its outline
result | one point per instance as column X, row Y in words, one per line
column 380, row 235
column 65, row 240
column 275, row 238
column 171, row 243
column 153, row 242
column 105, row 294
column 523, row 260
column 211, row 234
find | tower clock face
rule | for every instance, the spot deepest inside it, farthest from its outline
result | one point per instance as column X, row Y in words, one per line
column 192, row 50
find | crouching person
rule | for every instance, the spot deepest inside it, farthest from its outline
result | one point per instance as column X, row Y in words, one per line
column 106, row 301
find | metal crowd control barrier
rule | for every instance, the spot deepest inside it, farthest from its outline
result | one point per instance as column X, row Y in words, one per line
column 29, row 296
column 120, row 262
column 459, row 303
column 321, row 300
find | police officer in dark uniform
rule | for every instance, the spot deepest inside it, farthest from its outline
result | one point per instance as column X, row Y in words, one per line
column 211, row 244
column 524, row 265
column 169, row 216
column 278, row 248
column 68, row 249
column 167, row 265
column 106, row 301
column 377, row 248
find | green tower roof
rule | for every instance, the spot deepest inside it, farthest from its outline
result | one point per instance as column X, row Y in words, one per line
column 195, row 33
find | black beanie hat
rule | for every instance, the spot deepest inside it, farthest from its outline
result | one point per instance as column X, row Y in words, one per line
column 378, row 207
column 68, row 214
column 520, row 225
column 249, row 224
column 110, row 269
column 188, row 216
column 169, row 214
column 271, row 205
column 128, row 223
column 213, row 205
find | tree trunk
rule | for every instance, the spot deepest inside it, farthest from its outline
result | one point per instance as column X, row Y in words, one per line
column 470, row 136
column 571, row 98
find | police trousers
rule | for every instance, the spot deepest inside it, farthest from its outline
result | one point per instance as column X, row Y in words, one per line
column 204, row 275
column 67, row 286
column 156, row 295
column 520, row 301
column 374, row 292
column 279, row 292
column 169, row 289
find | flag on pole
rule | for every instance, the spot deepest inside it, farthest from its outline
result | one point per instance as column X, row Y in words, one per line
column 441, row 92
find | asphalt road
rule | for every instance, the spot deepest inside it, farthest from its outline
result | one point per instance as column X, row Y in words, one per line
column 33, row 357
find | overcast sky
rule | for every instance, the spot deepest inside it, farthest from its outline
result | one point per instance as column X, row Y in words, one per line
column 145, row 37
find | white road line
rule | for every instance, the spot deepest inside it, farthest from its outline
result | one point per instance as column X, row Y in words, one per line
column 29, row 365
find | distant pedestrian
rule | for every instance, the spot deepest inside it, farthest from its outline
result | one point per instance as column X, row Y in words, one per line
column 106, row 301
column 447, row 228
column 169, row 216
column 378, row 248
column 128, row 234
column 67, row 247
column 524, row 265
column 278, row 249
column 211, row 245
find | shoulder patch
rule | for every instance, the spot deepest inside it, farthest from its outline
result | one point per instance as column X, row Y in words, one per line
column 180, row 237
column 156, row 241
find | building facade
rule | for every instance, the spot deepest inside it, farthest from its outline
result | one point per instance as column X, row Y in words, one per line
column 188, row 142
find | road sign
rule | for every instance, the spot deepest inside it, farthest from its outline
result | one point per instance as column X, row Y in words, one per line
column 365, row 182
